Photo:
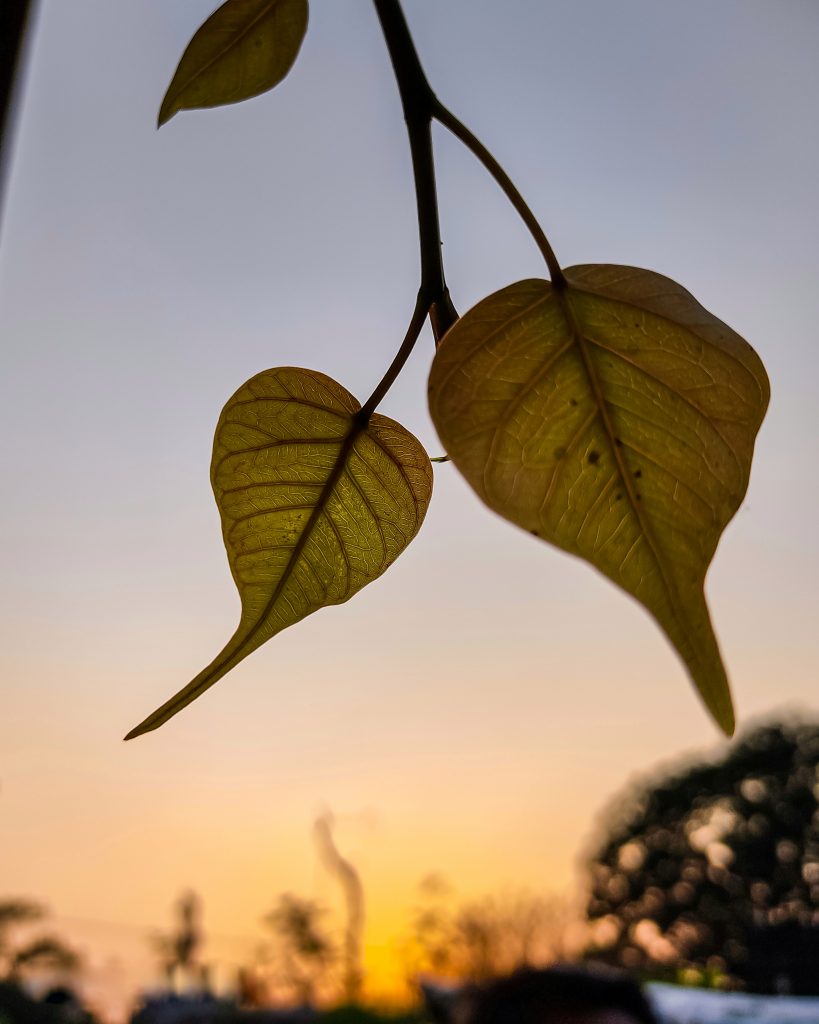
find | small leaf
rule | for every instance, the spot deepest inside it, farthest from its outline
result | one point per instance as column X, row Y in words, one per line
column 243, row 49
column 314, row 503
column 615, row 418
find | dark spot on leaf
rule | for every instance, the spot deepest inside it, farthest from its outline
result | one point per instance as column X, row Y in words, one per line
column 534, row 533
column 572, row 401
column 639, row 497
column 638, row 473
column 618, row 496
column 594, row 457
column 560, row 452
column 618, row 442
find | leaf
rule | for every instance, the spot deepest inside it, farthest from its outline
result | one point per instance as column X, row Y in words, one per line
column 614, row 418
column 243, row 49
column 315, row 504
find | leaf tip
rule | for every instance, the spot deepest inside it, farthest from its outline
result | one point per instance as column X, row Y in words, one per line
column 170, row 105
column 721, row 709
column 148, row 725
column 727, row 722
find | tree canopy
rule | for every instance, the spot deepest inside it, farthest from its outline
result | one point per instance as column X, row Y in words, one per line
column 691, row 865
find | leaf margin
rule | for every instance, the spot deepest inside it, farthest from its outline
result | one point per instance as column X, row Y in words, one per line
column 230, row 656
column 705, row 326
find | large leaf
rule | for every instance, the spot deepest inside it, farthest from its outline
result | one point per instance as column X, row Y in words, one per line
column 615, row 418
column 315, row 504
column 243, row 49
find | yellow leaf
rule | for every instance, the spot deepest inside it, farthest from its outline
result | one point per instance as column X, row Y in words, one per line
column 315, row 504
column 616, row 419
column 243, row 49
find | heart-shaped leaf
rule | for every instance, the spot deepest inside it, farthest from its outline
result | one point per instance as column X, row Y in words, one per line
column 315, row 504
column 243, row 49
column 616, row 418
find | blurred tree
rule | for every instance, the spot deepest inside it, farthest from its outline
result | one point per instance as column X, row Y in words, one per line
column 485, row 938
column 304, row 950
column 178, row 950
column 691, row 866
column 431, row 934
column 45, row 953
column 42, row 954
column 12, row 914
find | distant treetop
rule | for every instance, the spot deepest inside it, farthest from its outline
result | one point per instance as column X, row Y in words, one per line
column 693, row 866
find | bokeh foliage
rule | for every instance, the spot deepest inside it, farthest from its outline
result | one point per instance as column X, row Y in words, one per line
column 689, row 865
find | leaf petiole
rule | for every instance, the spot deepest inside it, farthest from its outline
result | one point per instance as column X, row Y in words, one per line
column 419, row 315
column 445, row 117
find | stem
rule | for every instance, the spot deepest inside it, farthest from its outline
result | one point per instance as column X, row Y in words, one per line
column 421, row 106
column 461, row 132
column 419, row 315
column 418, row 102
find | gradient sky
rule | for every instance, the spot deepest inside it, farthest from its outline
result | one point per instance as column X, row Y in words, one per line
column 470, row 712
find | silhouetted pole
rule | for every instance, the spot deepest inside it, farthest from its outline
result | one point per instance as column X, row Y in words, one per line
column 16, row 16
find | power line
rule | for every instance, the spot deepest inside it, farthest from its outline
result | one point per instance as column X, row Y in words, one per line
column 145, row 930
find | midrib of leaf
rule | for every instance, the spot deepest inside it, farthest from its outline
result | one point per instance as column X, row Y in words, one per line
column 676, row 324
column 230, row 45
column 318, row 509
column 602, row 407
column 670, row 389
column 230, row 656
column 667, row 387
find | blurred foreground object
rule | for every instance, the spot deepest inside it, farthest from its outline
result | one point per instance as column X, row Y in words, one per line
column 15, row 24
column 557, row 995
column 710, row 874
column 60, row 1005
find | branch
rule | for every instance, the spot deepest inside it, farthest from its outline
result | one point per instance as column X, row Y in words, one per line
column 421, row 106
column 418, row 102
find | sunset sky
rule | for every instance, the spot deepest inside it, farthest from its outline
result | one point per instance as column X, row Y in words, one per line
column 472, row 711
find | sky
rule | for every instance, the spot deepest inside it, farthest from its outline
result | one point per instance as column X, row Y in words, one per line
column 472, row 711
